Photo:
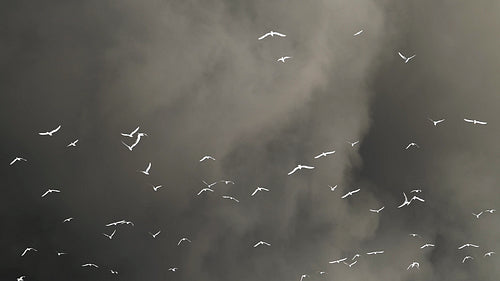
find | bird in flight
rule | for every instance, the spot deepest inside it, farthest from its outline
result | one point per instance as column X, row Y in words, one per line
column 131, row 134
column 358, row 33
column 182, row 240
column 467, row 258
column 21, row 278
column 474, row 121
column 207, row 157
column 491, row 211
column 300, row 167
column 155, row 188
column 131, row 147
column 355, row 256
column 488, row 254
column 378, row 210
column 282, row 59
column 113, row 271
column 227, row 181
column 27, row 250
column 332, row 188
column 414, row 235
column 427, row 245
column 110, row 236
column 322, row 272
column 406, row 202
column 412, row 144
column 468, row 245
column 50, row 191
column 350, row 193
column 68, row 219
column 120, row 222
column 338, row 261
column 209, row 185
column 375, row 253
column 146, row 171
column 17, row 159
column 90, row 265
column 156, row 234
column 416, row 191
column 405, row 58
column 261, row 243
column 272, row 33
column 353, row 143
column 204, row 190
column 173, row 269
column 477, row 215
column 61, row 253
column 351, row 264
column 324, row 154
column 258, row 189
column 436, row 122
column 73, row 143
column 231, row 198
column 50, row 133
column 303, row 276
column 413, row 264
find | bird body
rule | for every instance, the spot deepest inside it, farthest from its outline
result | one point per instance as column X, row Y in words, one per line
column 407, row 202
column 332, row 188
column 413, row 264
column 68, row 219
column 17, row 159
column 353, row 143
column 156, row 234
column 73, row 143
column 182, row 240
column 427, row 245
column 436, row 122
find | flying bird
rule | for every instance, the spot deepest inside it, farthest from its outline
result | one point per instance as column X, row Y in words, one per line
column 90, row 265
column 488, row 254
column 414, row 235
column 300, row 167
column 413, row 264
column 478, row 215
column 378, row 210
column 209, row 185
column 322, row 272
column 355, row 256
column 436, row 122
column 155, row 188
column 332, row 188
column 427, row 245
column 73, row 143
column 120, row 222
column 139, row 136
column 227, row 181
column 50, row 133
column 350, row 193
column 375, row 253
column 156, row 234
column 282, row 59
column 50, row 191
column 468, row 245
column 405, row 58
column 261, row 243
column 21, row 278
column 412, row 144
column 173, row 269
column 258, row 189
column 207, row 157
column 113, row 271
column 338, row 261
column 303, row 276
column 491, row 211
column 204, row 190
column 473, row 121
column 231, row 198
column 466, row 258
column 68, row 219
column 406, row 202
column 416, row 191
column 131, row 134
column 146, row 171
column 271, row 33
column 358, row 33
column 353, row 143
column 324, row 154
column 61, row 253
column 351, row 264
column 110, row 236
column 27, row 250
column 182, row 240
column 17, row 159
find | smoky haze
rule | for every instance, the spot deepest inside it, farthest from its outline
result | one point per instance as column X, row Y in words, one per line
column 194, row 77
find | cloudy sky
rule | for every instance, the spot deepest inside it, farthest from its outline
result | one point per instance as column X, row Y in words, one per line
column 194, row 77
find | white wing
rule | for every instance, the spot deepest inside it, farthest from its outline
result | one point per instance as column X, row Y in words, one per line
column 293, row 171
column 307, row 167
column 481, row 122
column 468, row 120
column 279, row 34
column 318, row 156
column 401, row 55
column 264, row 36
column 149, row 167
column 255, row 192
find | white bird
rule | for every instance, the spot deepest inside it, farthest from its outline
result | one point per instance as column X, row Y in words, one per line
column 131, row 147
column 261, row 243
column 271, row 33
column 227, row 181
column 27, row 250
column 406, row 202
column 412, row 144
column 332, row 188
column 259, row 189
column 478, row 215
column 146, row 171
column 414, row 235
column 405, row 58
column 351, row 264
column 73, row 143
column 322, row 272
column 435, row 122
column 207, row 157
column 61, row 253
column 90, row 265
column 413, row 264
column 50, row 191
column 204, row 190
column 120, row 222
column 375, row 253
column 173, row 269
column 50, row 133
column 110, row 236
column 17, row 159
column 353, row 143
column 468, row 245
column 209, row 185
column 466, row 258
column 416, row 191
column 68, row 219
column 231, row 198
column 488, row 254
column 491, row 211
column 131, row 134
column 155, row 188
column 338, row 261
column 427, row 245
column 156, row 234
column 300, row 167
column 182, row 240
column 358, row 33
column 473, row 121
column 324, row 154
column 355, row 256
column 113, row 271
column 378, row 210
column 303, row 276
column 350, row 193
column 282, row 59
column 21, row 278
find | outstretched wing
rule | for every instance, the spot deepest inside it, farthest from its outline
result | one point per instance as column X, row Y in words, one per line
column 401, row 55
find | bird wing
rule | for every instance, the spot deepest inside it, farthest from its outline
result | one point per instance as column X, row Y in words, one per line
column 417, row 198
column 318, row 156
column 44, row 134
column 354, row 191
column 149, row 167
column 13, row 161
column 293, row 171
column 401, row 55
column 134, row 131
column 330, row 152
column 468, row 120
column 482, row 122
column 411, row 57
column 308, row 167
column 255, row 192
column 279, row 34
column 264, row 36
column 345, row 195
column 56, row 129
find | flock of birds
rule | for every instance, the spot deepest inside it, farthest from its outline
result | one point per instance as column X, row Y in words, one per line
column 136, row 136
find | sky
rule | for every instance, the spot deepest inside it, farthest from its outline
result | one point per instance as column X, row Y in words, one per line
column 196, row 79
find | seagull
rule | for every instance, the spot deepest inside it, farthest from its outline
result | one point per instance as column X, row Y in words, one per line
column 27, row 250
column 488, row 254
column 377, row 211
column 435, row 122
column 490, row 211
column 73, row 143
column 412, row 144
column 322, row 272
column 350, row 193
column 17, row 159
column 183, row 239
column 351, row 263
column 375, row 253
column 427, row 245
column 21, row 278
column 261, row 243
column 416, row 191
column 468, row 245
column 414, row 235
column 405, row 58
column 355, row 256
column 300, row 167
column 111, row 235
column 227, row 182
column 113, row 271
column 413, row 264
column 68, row 219
column 90, row 265
column 231, row 198
column 358, row 33
column 173, row 269
column 146, row 172
column 209, row 185
column 50, row 191
column 61, row 253
column 338, row 261
column 477, row 215
column 271, row 33
column 207, row 157
column 282, row 59
column 50, row 133
column 406, row 202
column 332, row 188
column 156, row 234
column 466, row 258
column 324, row 154
column 131, row 134
column 259, row 189
column 131, row 147
column 475, row 121
column 155, row 188
column 303, row 276
column 120, row 222
column 353, row 143
column 205, row 189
